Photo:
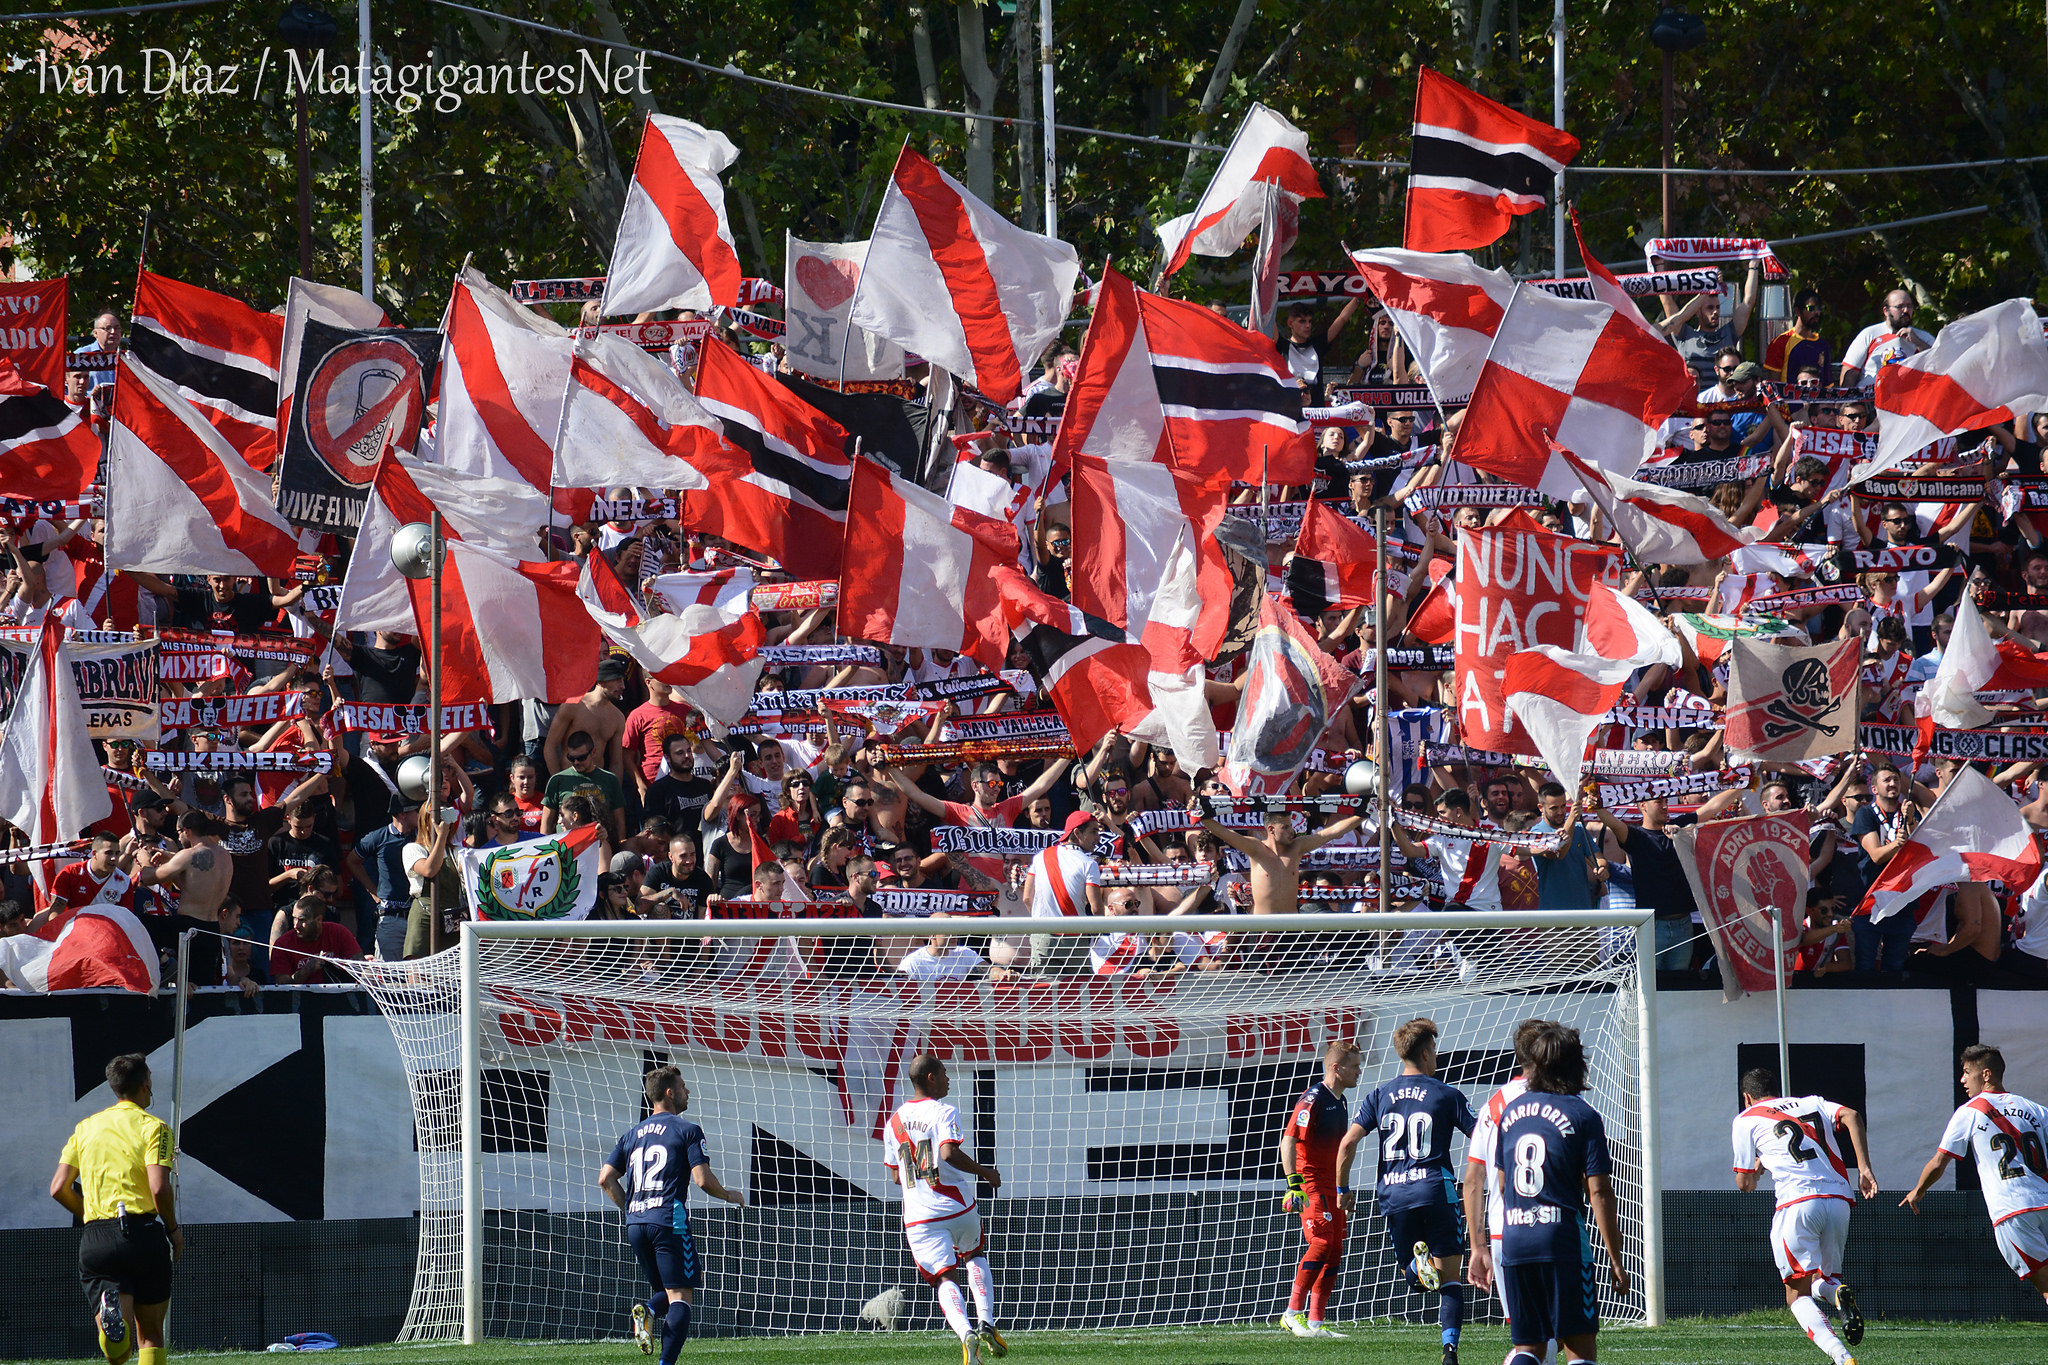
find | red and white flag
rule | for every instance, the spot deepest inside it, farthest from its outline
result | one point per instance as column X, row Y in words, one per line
column 704, row 647
column 782, row 476
column 1973, row 663
column 1094, row 672
column 1445, row 308
column 1176, row 383
column 1974, row 833
column 219, row 353
column 1265, row 150
column 921, row 572
column 1333, row 561
column 96, row 945
column 51, row 788
column 503, row 370
column 179, row 497
column 1788, row 703
column 1561, row 696
column 1982, row 369
column 953, row 280
column 1137, row 526
column 1474, row 165
column 1660, row 525
column 47, row 448
column 1279, row 228
column 675, row 247
column 1292, row 689
column 504, row 514
column 328, row 303
column 628, row 422
column 1577, row 373
column 510, row 629
column 1747, row 877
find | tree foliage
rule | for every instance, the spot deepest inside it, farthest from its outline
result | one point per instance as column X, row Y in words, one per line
column 531, row 184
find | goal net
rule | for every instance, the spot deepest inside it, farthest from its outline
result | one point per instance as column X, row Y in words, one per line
column 1133, row 1114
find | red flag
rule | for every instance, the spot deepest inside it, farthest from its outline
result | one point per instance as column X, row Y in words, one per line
column 1292, row 689
column 675, row 247
column 47, row 450
column 33, row 337
column 509, row 629
column 1265, row 151
column 1475, row 165
column 1146, row 552
column 1515, row 590
column 919, row 571
column 219, row 353
column 1747, row 875
column 1093, row 671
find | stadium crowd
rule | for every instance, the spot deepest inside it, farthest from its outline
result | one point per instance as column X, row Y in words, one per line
column 296, row 869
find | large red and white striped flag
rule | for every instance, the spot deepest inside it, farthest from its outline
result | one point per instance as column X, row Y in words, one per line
column 783, row 470
column 675, row 247
column 1982, row 369
column 1094, row 672
column 47, row 449
column 51, row 788
column 1561, row 696
column 1266, row 149
column 96, row 945
column 1974, row 663
column 1973, row 833
column 1660, row 525
column 953, row 280
column 921, row 572
column 1474, row 165
column 1138, row 527
column 1445, row 308
column 1179, row 384
column 627, row 421
column 704, row 647
column 219, row 353
column 510, row 629
column 503, row 370
column 179, row 497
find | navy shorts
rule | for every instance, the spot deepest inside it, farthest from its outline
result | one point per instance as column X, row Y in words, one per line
column 668, row 1255
column 1549, row 1300
column 1440, row 1225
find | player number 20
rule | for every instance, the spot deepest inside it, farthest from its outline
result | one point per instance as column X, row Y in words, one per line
column 1417, row 1128
column 1530, row 1154
column 917, row 1161
column 2027, row 1152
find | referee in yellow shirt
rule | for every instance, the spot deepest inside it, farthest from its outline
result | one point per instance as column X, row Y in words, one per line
column 121, row 1160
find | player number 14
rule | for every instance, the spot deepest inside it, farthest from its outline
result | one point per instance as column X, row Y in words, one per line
column 917, row 1161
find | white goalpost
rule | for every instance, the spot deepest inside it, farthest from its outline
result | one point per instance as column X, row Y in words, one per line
column 1134, row 1118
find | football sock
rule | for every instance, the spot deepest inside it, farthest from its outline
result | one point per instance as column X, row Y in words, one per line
column 954, row 1304
column 1319, row 1292
column 1809, row 1315
column 116, row 1354
column 675, row 1329
column 1450, row 1310
column 1824, row 1289
column 983, row 1285
column 150, row 1355
column 1304, row 1279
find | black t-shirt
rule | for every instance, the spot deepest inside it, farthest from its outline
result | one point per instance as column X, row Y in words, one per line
column 371, row 796
column 1045, row 403
column 250, row 846
column 680, row 801
column 286, row 851
column 244, row 614
column 1659, row 876
column 693, row 888
column 1859, row 871
column 735, row 866
column 386, row 676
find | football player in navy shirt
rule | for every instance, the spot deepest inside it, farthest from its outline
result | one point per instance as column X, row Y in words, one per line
column 1410, row 1119
column 1551, row 1155
column 662, row 1155
column 1308, row 1154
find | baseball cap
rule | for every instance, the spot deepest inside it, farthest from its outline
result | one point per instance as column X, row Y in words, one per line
column 1746, row 371
column 611, row 670
column 1078, row 819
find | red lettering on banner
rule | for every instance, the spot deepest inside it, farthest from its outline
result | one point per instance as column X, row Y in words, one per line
column 584, row 1020
column 536, row 1027
column 1086, row 1032
column 1516, row 589
column 956, row 1032
column 34, row 335
column 819, row 1034
column 720, row 1031
column 1151, row 1035
column 1017, row 1033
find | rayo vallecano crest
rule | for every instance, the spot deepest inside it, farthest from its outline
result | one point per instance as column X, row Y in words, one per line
column 535, row 879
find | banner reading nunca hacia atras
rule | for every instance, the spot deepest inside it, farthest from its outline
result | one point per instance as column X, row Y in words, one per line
column 355, row 393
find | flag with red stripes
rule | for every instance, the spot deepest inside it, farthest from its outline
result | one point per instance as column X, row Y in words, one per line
column 50, row 783
column 1094, row 671
column 510, row 629
column 1146, row 557
column 503, row 371
column 1265, row 150
column 627, row 421
column 1333, row 558
column 704, row 646
column 1445, row 308
column 47, row 448
column 786, row 479
column 179, row 497
column 953, row 280
column 921, row 572
column 1474, row 165
column 1660, row 525
column 675, row 247
column 1973, row 832
column 1981, row 370
column 1561, row 696
column 219, row 353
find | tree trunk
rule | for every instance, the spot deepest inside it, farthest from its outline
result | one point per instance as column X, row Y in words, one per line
column 921, row 46
column 981, row 99
column 1966, row 91
column 1024, row 36
column 1219, row 85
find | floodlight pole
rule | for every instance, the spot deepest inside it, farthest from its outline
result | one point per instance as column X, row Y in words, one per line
column 1045, row 77
column 364, row 148
column 1557, row 117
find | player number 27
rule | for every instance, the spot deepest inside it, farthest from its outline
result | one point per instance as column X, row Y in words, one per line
column 917, row 1161
column 1419, row 1132
column 1530, row 1154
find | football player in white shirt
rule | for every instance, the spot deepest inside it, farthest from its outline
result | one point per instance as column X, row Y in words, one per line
column 1481, row 1190
column 1794, row 1140
column 2006, row 1133
column 941, row 1220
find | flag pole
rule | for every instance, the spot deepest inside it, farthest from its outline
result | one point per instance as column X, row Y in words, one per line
column 1778, row 983
column 1382, row 726
column 439, row 553
column 1557, row 117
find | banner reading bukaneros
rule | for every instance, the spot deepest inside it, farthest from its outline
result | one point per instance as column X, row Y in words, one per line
column 1790, row 702
column 1747, row 875
column 117, row 683
column 356, row 393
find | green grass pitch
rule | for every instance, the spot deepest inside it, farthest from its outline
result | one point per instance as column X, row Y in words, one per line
column 1758, row 1339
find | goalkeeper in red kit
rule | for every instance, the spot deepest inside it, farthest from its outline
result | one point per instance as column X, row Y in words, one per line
column 1308, row 1156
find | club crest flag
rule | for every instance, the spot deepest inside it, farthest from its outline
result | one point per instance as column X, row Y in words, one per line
column 1747, row 875
column 1787, row 703
column 552, row 877
column 355, row 394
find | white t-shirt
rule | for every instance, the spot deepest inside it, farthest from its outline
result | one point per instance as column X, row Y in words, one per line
column 2030, row 930
column 1192, row 948
column 1471, row 870
column 2006, row 1134
column 932, row 1189
column 924, row 965
column 1479, row 1147
column 1116, row 954
column 1794, row 1140
column 1878, row 345
column 1072, row 872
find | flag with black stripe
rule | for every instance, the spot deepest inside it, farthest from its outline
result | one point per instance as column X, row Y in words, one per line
column 1474, row 166
column 1312, row 585
column 1094, row 672
column 47, row 449
column 220, row 354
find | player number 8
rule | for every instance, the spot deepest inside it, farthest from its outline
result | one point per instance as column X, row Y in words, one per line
column 1530, row 1154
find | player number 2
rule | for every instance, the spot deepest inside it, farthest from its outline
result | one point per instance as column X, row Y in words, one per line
column 917, row 1162
column 648, row 1163
column 1530, row 1155
column 1419, row 1132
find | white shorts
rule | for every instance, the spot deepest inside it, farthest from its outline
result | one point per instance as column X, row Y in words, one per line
column 1807, row 1237
column 2023, row 1241
column 945, row 1243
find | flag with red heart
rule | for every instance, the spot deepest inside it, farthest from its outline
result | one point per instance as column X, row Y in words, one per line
column 817, row 297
